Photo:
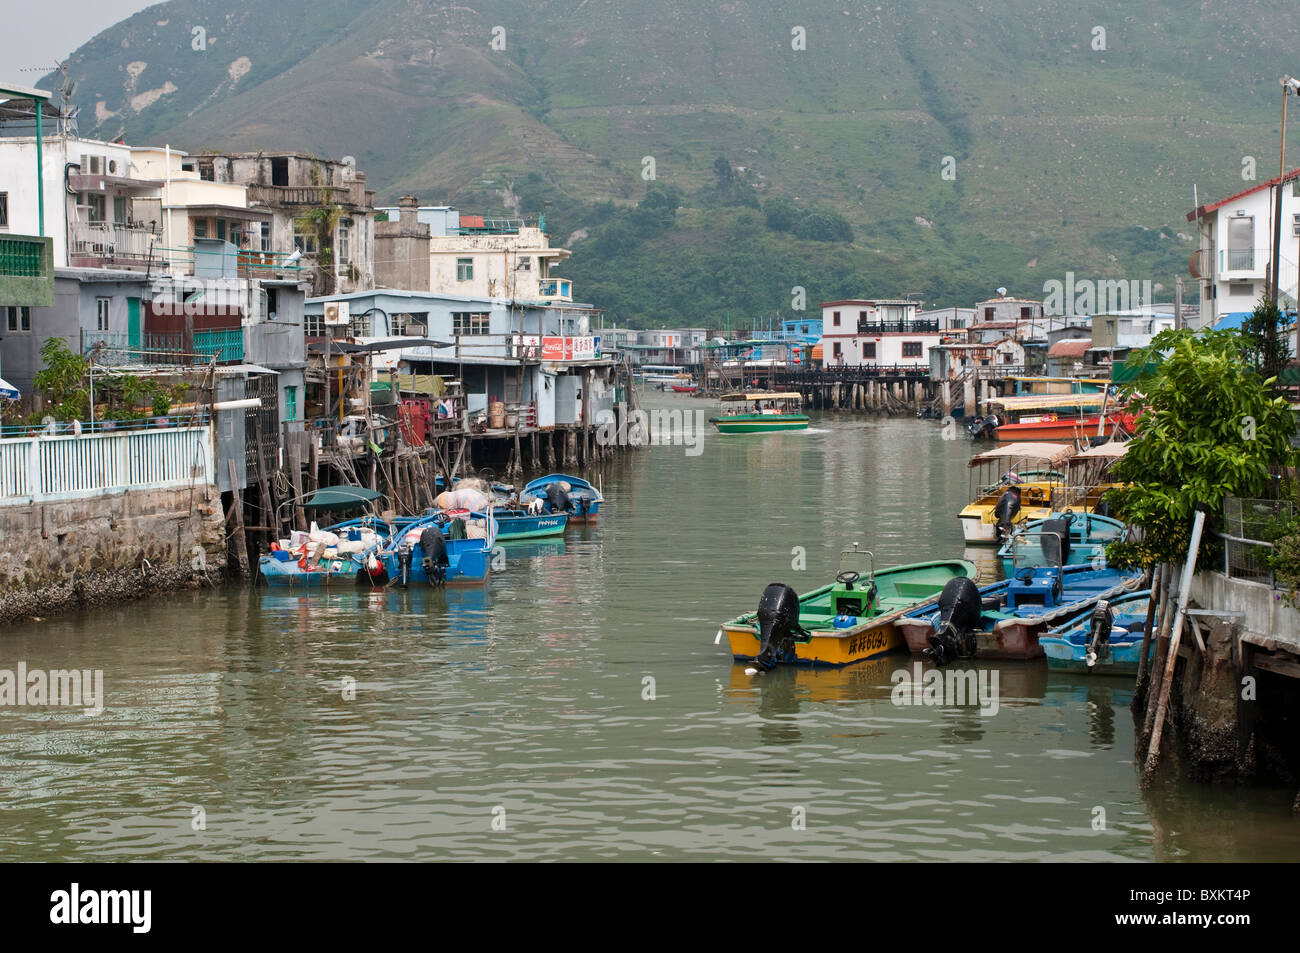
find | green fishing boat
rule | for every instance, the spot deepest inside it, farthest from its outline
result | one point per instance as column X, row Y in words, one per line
column 761, row 412
column 847, row 621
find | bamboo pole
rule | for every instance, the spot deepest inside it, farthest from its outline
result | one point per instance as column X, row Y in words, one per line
column 1157, row 581
column 1166, row 685
column 236, row 515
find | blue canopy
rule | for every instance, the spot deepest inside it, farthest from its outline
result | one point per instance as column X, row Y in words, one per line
column 8, row 391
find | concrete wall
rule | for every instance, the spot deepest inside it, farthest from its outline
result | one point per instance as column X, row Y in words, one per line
column 84, row 553
column 1263, row 613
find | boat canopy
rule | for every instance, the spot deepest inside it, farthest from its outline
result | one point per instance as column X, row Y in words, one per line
column 761, row 395
column 1110, row 450
column 340, row 497
column 1051, row 401
column 8, row 391
column 1054, row 453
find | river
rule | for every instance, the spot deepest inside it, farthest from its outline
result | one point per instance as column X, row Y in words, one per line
column 578, row 708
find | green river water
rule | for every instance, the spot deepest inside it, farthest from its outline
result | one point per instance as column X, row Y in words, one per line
column 519, row 722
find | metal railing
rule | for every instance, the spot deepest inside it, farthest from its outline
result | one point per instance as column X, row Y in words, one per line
column 111, row 240
column 44, row 468
column 1249, row 528
column 225, row 345
column 20, row 257
column 899, row 327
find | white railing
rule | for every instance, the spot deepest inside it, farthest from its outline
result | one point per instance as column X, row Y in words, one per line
column 111, row 240
column 43, row 469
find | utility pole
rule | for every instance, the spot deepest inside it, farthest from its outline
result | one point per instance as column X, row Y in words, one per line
column 1178, row 301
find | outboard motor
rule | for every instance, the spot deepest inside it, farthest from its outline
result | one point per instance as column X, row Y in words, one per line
column 959, row 618
column 1006, row 511
column 435, row 556
column 556, row 499
column 1056, row 540
column 1099, row 643
column 584, row 503
column 778, row 623
column 404, row 557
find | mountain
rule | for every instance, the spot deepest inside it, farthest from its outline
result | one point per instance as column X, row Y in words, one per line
column 1071, row 133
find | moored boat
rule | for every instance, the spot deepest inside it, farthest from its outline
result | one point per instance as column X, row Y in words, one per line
column 846, row 621
column 1105, row 640
column 562, row 493
column 1062, row 539
column 439, row 549
column 1011, row 485
column 1006, row 619
column 761, row 412
column 520, row 524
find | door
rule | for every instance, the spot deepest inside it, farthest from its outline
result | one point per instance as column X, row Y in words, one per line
column 133, row 322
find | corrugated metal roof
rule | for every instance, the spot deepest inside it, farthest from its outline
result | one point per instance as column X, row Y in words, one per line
column 1074, row 347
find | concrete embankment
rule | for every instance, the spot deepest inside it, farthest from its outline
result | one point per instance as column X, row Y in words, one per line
column 79, row 554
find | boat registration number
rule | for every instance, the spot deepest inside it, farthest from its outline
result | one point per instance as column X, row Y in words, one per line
column 867, row 641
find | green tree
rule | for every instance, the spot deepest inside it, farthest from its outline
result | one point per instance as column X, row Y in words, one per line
column 781, row 214
column 62, row 381
column 1208, row 428
column 1264, row 348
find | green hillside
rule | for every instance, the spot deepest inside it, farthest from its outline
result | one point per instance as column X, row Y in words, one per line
column 1066, row 157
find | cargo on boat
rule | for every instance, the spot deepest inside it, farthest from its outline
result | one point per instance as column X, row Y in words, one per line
column 562, row 493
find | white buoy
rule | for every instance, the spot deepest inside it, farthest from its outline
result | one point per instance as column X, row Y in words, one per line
column 751, row 671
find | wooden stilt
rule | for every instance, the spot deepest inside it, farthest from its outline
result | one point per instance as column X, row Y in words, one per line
column 236, row 517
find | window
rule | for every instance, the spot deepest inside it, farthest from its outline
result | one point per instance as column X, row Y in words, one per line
column 263, row 239
column 101, row 313
column 988, row 314
column 911, row 349
column 304, row 239
column 19, row 319
column 4, row 209
column 313, row 325
column 525, row 263
column 469, row 322
column 1026, row 312
column 280, row 170
column 464, row 269
column 398, row 323
column 119, row 209
column 291, row 403
column 835, row 318
column 361, row 324
column 200, row 228
column 345, row 240
column 869, row 350
column 836, row 351
column 96, row 203
column 221, row 229
column 1241, row 244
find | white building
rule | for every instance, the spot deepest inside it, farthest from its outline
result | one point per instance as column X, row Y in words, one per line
column 884, row 332
column 1236, row 248
column 474, row 256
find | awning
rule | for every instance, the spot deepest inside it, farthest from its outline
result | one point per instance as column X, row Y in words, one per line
column 1110, row 450
column 8, row 391
column 340, row 497
column 1054, row 453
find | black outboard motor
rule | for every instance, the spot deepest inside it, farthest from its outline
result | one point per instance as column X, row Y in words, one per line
column 1006, row 511
column 584, row 503
column 1099, row 643
column 1056, row 539
column 404, row 557
column 984, row 426
column 959, row 618
column 435, row 556
column 557, row 500
column 778, row 622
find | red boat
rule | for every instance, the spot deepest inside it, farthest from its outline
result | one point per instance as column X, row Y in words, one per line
column 1058, row 427
column 684, row 388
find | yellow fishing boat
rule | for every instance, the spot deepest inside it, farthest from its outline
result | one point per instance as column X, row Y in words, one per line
column 847, row 621
column 1010, row 485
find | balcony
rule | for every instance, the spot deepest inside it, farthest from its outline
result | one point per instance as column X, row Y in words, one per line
column 557, row 288
column 1245, row 261
column 167, row 349
column 314, row 196
column 94, row 244
column 899, row 327
column 267, row 264
column 226, row 346
column 26, row 271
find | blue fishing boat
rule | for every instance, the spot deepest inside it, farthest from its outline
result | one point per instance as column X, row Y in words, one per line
column 1105, row 640
column 581, row 500
column 431, row 551
column 519, row 524
column 1062, row 539
column 1005, row 620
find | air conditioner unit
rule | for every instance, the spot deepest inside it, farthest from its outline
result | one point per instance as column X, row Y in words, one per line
column 1295, row 226
column 416, row 330
column 336, row 313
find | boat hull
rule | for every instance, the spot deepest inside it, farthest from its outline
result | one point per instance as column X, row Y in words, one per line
column 328, row 572
column 823, row 648
column 468, row 564
column 1055, row 430
column 530, row 527
column 760, row 423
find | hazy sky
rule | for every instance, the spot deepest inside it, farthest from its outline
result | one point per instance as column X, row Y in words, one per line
column 36, row 35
